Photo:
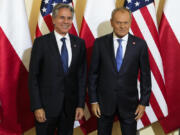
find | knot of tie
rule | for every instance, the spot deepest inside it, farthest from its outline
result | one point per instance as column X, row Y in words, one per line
column 119, row 41
column 63, row 39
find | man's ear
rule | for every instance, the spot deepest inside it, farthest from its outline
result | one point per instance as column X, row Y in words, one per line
column 111, row 21
column 53, row 19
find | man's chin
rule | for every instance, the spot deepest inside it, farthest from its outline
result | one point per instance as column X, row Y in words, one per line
column 120, row 35
column 65, row 30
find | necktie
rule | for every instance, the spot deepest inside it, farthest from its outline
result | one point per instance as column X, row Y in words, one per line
column 119, row 55
column 64, row 55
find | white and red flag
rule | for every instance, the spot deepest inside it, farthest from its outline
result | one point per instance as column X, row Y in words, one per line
column 144, row 25
column 15, row 48
column 170, row 51
column 96, row 22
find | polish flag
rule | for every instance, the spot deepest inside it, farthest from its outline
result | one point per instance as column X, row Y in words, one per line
column 96, row 22
column 15, row 46
column 170, row 51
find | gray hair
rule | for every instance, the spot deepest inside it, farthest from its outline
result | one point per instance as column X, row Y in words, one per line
column 60, row 6
column 122, row 10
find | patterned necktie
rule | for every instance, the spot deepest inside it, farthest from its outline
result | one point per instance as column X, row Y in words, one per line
column 64, row 55
column 119, row 55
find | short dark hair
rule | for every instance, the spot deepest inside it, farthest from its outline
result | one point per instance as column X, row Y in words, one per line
column 60, row 6
column 121, row 9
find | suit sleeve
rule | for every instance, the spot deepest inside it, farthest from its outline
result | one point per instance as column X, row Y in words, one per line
column 34, row 71
column 94, row 73
column 82, row 73
column 145, row 76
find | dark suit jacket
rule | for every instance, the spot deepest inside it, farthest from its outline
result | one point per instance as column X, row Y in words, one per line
column 50, row 88
column 115, row 90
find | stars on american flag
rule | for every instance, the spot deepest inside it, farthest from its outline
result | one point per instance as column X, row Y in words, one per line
column 48, row 5
column 46, row 1
column 44, row 9
column 130, row 1
column 134, row 5
column 137, row 3
column 54, row 4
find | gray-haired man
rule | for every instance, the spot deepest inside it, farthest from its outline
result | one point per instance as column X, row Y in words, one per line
column 57, row 76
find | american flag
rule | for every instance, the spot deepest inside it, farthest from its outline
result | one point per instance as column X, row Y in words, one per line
column 45, row 24
column 144, row 25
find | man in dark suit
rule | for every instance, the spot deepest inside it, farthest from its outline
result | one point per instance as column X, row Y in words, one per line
column 117, row 58
column 57, row 76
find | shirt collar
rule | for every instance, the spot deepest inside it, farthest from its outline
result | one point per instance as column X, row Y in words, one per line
column 125, row 38
column 59, row 36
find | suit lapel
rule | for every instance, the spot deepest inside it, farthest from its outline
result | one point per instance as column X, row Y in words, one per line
column 55, row 51
column 73, row 49
column 110, row 47
column 127, row 53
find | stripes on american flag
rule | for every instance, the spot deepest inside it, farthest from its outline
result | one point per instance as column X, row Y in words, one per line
column 144, row 25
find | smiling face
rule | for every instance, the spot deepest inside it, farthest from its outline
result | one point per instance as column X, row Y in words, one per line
column 121, row 22
column 63, row 21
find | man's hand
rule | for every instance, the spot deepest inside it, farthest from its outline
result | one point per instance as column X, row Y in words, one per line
column 40, row 115
column 96, row 110
column 79, row 113
column 139, row 112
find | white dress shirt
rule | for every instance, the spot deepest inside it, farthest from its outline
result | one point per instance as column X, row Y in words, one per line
column 68, row 45
column 116, row 44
